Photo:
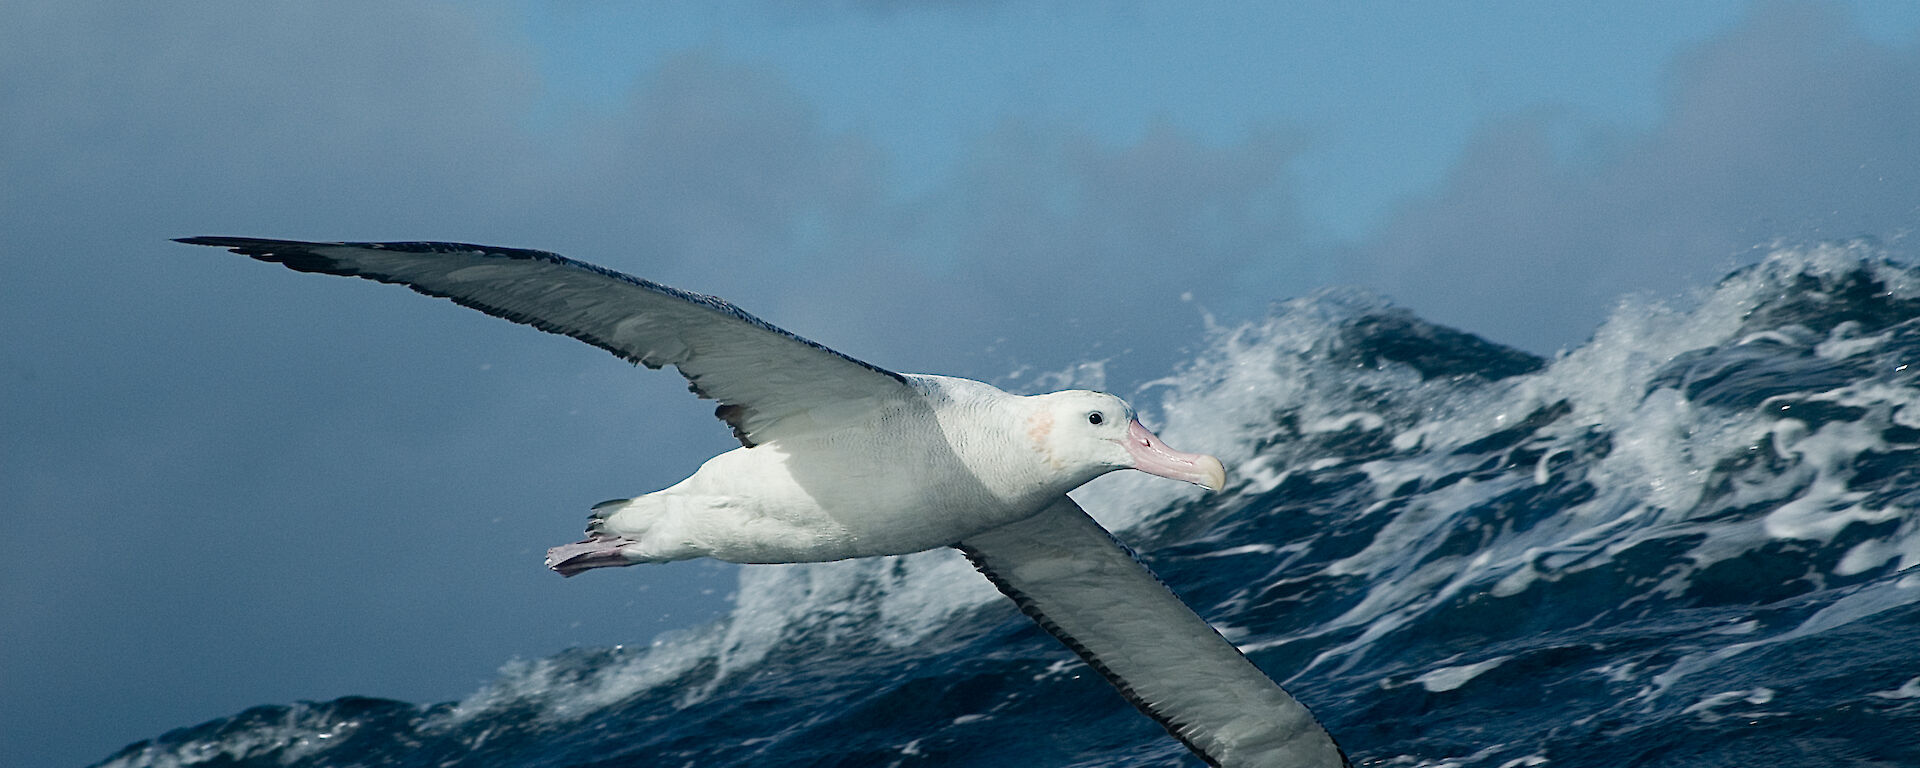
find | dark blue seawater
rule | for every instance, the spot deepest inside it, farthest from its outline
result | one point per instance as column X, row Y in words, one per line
column 1691, row 541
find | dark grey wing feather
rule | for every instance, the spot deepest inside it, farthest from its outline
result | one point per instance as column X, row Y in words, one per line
column 1086, row 589
column 762, row 376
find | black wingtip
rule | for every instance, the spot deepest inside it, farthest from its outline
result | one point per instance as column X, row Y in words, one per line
column 245, row 245
column 296, row 255
column 224, row 242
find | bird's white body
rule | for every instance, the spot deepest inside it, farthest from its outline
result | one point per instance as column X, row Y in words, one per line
column 947, row 459
column 842, row 459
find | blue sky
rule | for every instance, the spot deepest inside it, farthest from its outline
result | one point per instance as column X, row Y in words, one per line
column 225, row 484
column 1347, row 75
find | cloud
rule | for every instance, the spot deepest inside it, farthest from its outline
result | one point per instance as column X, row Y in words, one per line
column 259, row 110
column 1046, row 242
column 1791, row 126
column 1073, row 242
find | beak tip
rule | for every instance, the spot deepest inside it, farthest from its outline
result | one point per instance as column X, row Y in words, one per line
column 1214, row 474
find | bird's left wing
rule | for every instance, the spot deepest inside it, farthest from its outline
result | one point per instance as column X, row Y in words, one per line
column 1086, row 589
column 762, row 376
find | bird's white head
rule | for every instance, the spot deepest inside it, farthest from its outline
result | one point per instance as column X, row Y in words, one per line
column 1094, row 433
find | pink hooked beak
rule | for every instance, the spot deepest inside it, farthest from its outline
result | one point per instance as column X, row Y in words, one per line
column 1155, row 458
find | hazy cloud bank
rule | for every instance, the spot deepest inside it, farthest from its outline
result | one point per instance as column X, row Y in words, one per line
column 1792, row 126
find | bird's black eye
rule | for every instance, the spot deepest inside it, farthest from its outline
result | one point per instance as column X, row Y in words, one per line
column 1095, row 418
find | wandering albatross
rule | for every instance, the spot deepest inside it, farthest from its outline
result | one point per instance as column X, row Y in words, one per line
column 842, row 459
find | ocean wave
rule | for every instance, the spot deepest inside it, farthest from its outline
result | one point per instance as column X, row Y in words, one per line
column 1426, row 536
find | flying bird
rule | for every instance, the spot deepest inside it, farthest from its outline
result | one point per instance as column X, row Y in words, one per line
column 839, row 459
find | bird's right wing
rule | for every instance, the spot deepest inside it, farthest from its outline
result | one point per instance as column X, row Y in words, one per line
column 1085, row 588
